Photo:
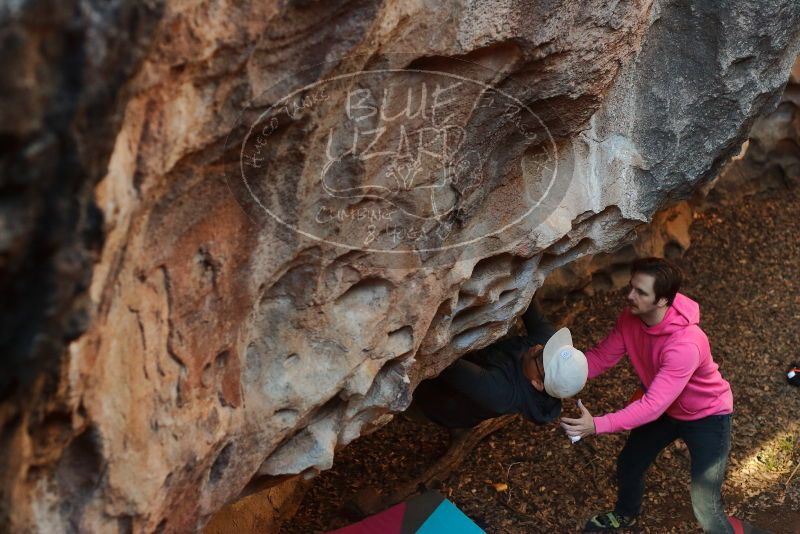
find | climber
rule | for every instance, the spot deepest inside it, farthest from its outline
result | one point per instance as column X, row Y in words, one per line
column 684, row 397
column 513, row 375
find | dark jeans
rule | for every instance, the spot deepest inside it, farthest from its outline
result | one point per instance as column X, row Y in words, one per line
column 709, row 442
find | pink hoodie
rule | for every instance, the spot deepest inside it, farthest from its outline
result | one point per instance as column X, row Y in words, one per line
column 673, row 361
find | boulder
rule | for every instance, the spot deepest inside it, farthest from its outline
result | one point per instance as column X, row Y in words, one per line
column 260, row 225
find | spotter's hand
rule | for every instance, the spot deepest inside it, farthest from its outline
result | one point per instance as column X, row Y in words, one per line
column 582, row 427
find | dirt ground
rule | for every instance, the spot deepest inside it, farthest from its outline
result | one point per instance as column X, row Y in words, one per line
column 743, row 269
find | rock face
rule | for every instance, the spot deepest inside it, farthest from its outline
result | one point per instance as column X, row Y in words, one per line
column 666, row 236
column 771, row 156
column 308, row 208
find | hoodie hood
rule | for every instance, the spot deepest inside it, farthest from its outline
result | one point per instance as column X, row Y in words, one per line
column 682, row 313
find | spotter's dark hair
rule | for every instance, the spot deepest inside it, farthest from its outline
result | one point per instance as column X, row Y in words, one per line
column 667, row 275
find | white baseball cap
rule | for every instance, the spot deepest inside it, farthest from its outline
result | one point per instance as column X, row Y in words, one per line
column 565, row 367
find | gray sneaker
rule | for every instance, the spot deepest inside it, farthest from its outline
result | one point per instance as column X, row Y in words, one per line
column 609, row 521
